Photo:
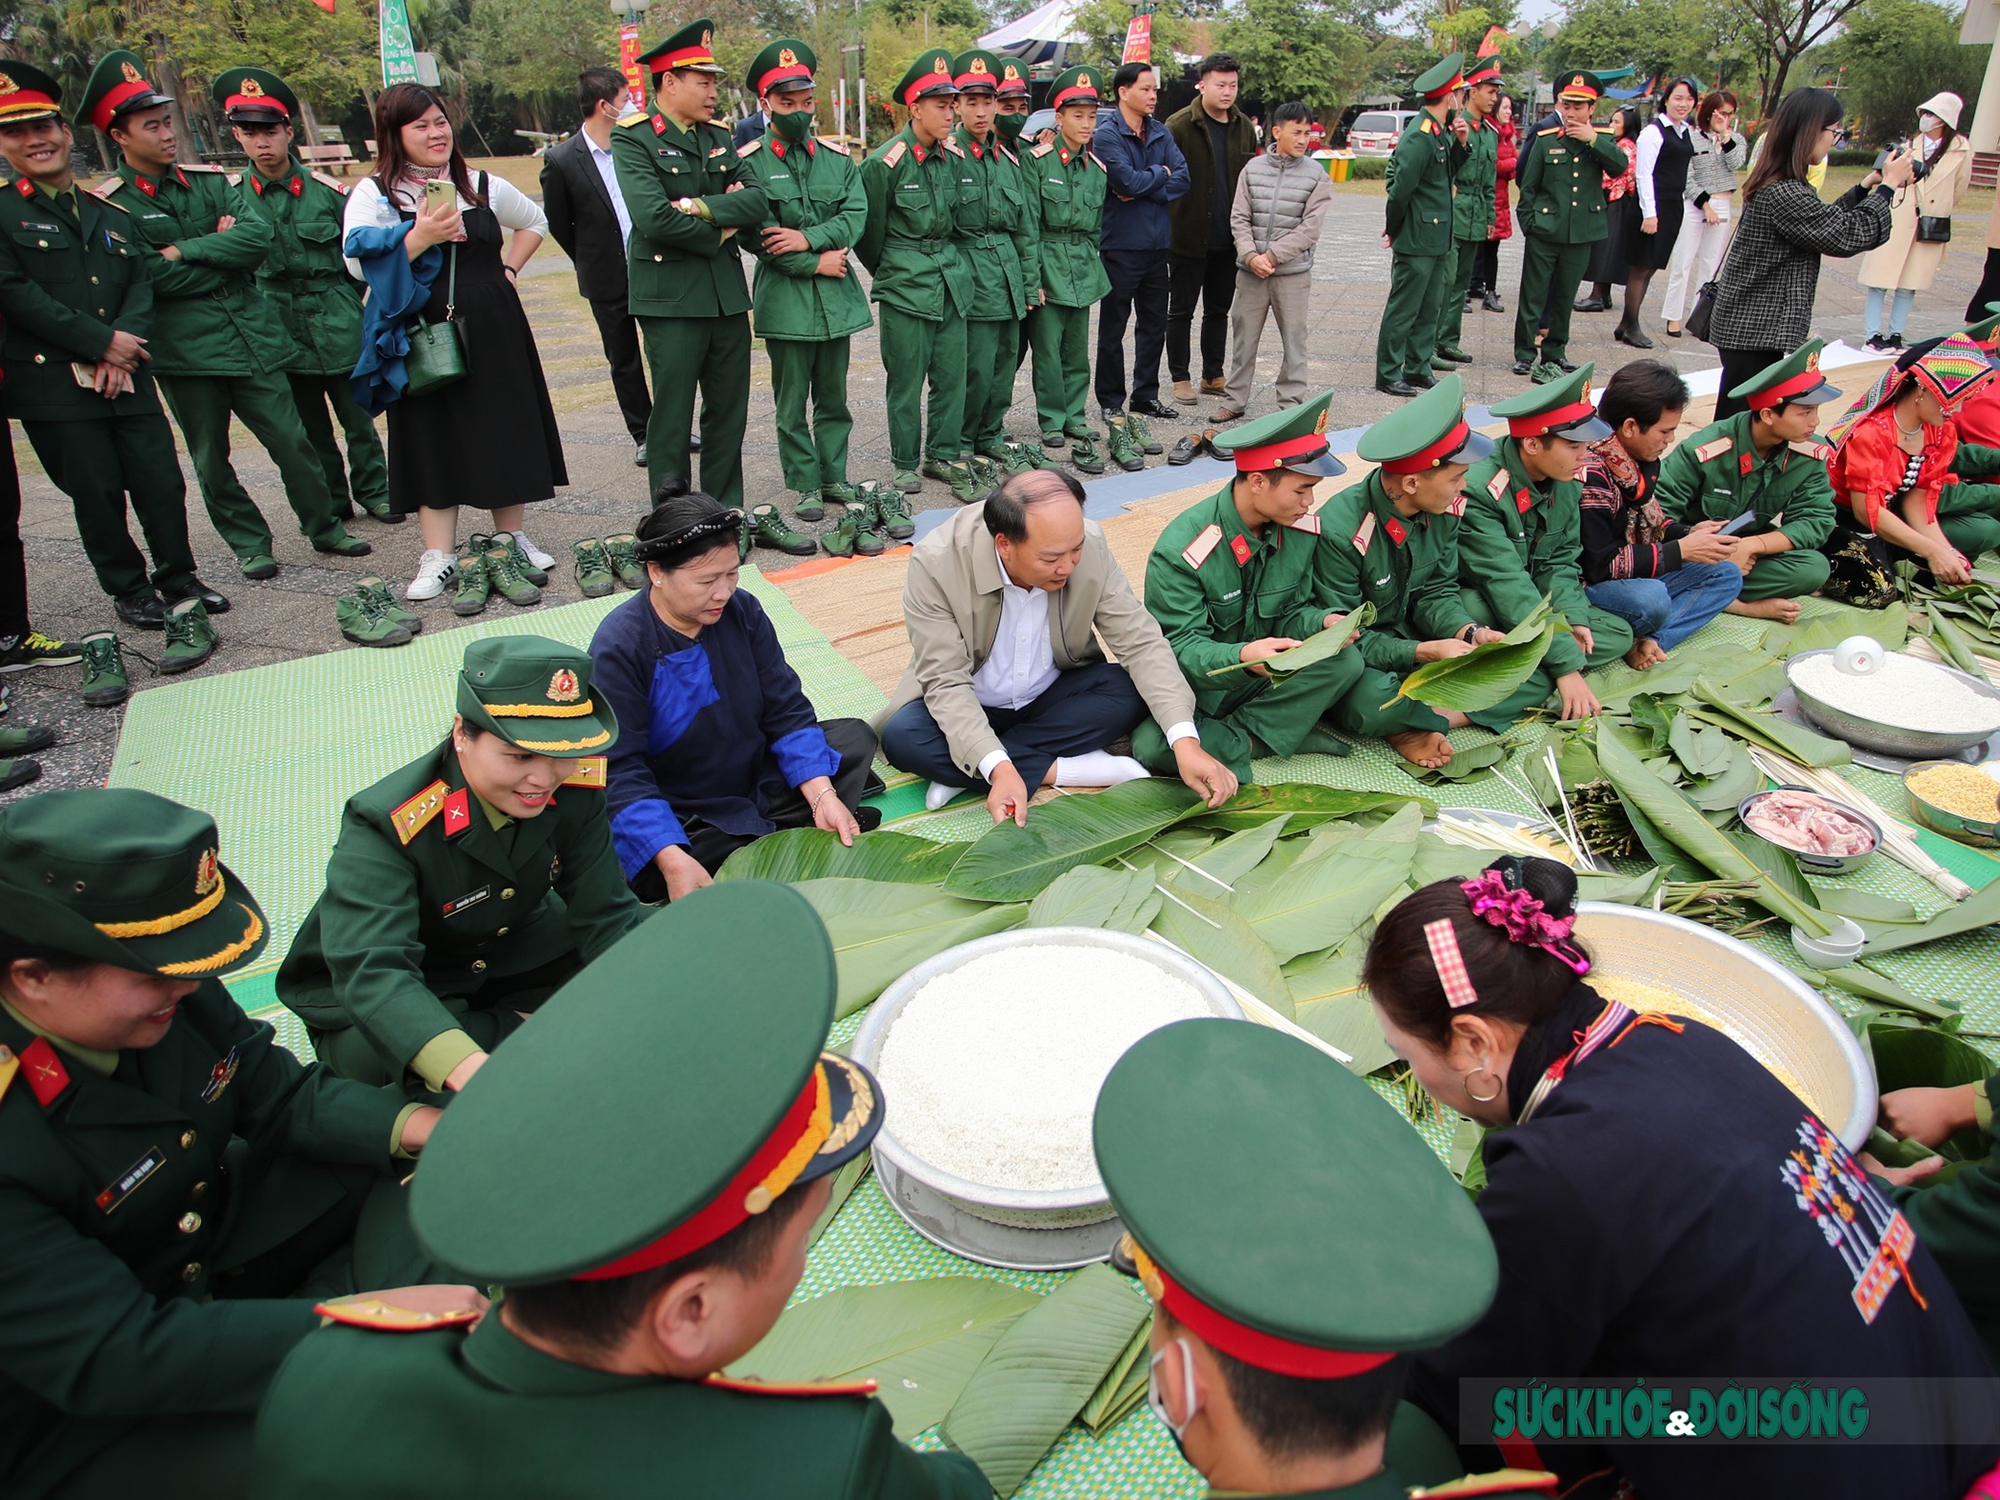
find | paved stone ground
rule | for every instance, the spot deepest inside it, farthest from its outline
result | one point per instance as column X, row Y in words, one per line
column 292, row 615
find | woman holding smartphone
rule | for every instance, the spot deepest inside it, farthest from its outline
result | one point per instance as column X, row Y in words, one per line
column 489, row 439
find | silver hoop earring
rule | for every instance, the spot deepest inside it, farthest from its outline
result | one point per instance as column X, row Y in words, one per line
column 1478, row 1098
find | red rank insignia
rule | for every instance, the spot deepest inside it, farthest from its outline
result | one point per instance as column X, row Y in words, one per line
column 47, row 1077
column 1743, row 462
column 297, row 186
column 1397, row 531
column 1522, row 500
column 24, row 187
column 1239, row 548
column 144, row 186
column 457, row 813
column 659, row 126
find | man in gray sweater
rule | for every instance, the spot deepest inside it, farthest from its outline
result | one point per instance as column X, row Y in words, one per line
column 1281, row 200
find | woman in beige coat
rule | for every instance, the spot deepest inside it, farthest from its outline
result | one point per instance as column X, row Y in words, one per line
column 1905, row 265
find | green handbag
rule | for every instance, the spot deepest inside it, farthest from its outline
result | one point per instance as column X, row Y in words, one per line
column 437, row 356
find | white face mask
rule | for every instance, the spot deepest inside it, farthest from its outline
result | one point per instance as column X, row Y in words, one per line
column 1927, row 122
column 1188, row 1397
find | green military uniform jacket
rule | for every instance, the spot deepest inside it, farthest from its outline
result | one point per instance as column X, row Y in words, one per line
column 304, row 277
column 1066, row 190
column 209, row 318
column 996, row 232
column 1562, row 186
column 909, row 249
column 1406, row 566
column 1959, row 1223
column 486, row 1415
column 1215, row 586
column 70, row 277
column 1472, row 185
column 816, row 190
column 1421, row 170
column 120, row 1193
column 426, row 904
column 681, row 265
column 1716, row 475
column 1518, row 541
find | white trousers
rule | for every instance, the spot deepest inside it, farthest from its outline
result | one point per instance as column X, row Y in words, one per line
column 1698, row 250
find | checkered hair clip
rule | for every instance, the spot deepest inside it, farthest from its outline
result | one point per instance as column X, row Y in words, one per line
column 1450, row 964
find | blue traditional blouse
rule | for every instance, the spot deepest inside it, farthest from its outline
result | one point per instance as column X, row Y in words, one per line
column 703, row 725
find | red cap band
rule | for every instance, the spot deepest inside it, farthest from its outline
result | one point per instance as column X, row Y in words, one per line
column 1488, row 74
column 103, row 112
column 685, row 57
column 966, row 81
column 254, row 101
column 1276, row 455
column 1783, row 391
column 1427, row 458
column 1074, row 92
column 26, row 102
column 1457, row 81
column 1547, row 421
column 1266, row 1351
column 779, row 75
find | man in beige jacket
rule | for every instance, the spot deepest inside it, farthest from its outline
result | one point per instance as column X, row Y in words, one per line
column 1008, row 687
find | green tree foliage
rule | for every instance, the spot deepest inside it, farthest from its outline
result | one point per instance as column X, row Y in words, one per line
column 532, row 50
column 327, row 59
column 1104, row 23
column 1328, row 56
column 1895, row 54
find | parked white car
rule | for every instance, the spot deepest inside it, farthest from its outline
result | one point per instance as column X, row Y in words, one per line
column 1374, row 132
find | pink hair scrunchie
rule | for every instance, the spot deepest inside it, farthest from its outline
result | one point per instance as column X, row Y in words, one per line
column 1521, row 915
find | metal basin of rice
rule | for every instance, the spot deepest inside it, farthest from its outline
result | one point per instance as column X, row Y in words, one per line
column 1755, row 1001
column 1893, row 739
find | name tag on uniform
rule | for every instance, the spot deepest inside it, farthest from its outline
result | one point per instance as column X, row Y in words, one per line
column 717, row 152
column 1232, row 594
column 471, row 898
column 910, row 187
column 109, row 1198
column 41, row 228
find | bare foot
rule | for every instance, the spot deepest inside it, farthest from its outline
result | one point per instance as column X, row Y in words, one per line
column 1422, row 747
column 1644, row 654
column 1785, row 611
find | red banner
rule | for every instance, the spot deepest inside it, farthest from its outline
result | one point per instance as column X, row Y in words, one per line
column 628, row 63
column 1492, row 42
column 325, row 5
column 1139, row 40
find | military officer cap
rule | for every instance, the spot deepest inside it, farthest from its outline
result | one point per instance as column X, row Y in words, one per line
column 930, row 74
column 1579, row 83
column 1442, row 79
column 976, row 71
column 1427, row 434
column 535, row 694
column 687, row 48
column 1292, row 437
column 1076, row 86
column 1213, row 1136
column 1013, row 82
column 1485, row 70
column 1562, row 408
column 1796, row 378
column 784, row 66
column 635, row 1119
column 118, row 86
column 123, row 877
column 27, row 93
column 254, row 96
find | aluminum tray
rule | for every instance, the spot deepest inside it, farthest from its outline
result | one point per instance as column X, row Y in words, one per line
column 1890, row 739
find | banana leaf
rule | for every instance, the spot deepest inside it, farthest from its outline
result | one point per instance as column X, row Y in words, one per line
column 1307, row 805
column 1486, row 674
column 1680, row 822
column 920, row 1386
column 1626, row 890
column 1953, row 644
column 1328, row 642
column 1980, row 909
column 1725, row 791
column 1857, row 979
column 1770, row 731
column 1616, row 684
column 881, row 930
column 1702, row 749
column 1223, row 864
column 1098, row 1411
column 1041, row 1373
column 1833, row 623
column 1130, row 1394
column 845, row 1181
column 1212, row 934
column 1466, row 762
column 1367, row 840
column 1012, row 863
column 1437, row 860
column 794, row 854
column 1317, row 903
column 832, row 1337
column 1908, row 1057
column 1088, row 896
column 1349, row 1023
column 1866, row 906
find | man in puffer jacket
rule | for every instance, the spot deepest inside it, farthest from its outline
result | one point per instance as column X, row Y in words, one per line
column 1281, row 200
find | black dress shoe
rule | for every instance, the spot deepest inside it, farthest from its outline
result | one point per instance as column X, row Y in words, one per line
column 639, row 455
column 143, row 610
column 1493, row 303
column 1564, row 365
column 1423, row 380
column 1524, row 367
column 1635, row 338
column 1591, row 304
column 1395, row 388
column 1157, row 410
column 211, row 601
column 1183, row 452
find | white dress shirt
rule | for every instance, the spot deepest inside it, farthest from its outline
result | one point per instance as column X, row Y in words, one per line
column 1650, row 141
column 600, row 157
column 367, row 206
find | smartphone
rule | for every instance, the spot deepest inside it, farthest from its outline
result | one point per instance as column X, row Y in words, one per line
column 439, row 195
column 1739, row 523
column 83, row 374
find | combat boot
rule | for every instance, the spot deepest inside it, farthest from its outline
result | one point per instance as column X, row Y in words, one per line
column 376, row 590
column 888, row 511
column 1141, row 433
column 1083, row 457
column 1125, row 451
column 623, row 552
column 767, row 528
column 190, row 638
column 593, row 568
column 363, row 621
column 909, row 481
column 472, row 588
column 104, row 684
column 530, row 570
column 851, row 535
column 985, row 473
column 841, row 493
column 811, row 506
column 506, row 578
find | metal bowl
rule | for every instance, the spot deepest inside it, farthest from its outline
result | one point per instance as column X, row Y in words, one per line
column 1952, row 825
column 1758, row 1003
column 1891, row 739
column 1819, row 864
column 1015, row 1208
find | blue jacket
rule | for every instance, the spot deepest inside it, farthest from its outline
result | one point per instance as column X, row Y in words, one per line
column 711, row 728
column 398, row 288
column 1146, row 175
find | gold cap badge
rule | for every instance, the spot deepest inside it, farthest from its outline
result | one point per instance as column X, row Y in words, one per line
column 563, row 687
column 7, row 85
column 1812, row 360
column 132, row 74
column 979, row 65
column 1010, row 73
column 1319, row 427
column 941, row 65
column 205, row 873
column 1083, row 80
column 787, row 58
column 250, row 88
column 1585, row 396
column 707, row 37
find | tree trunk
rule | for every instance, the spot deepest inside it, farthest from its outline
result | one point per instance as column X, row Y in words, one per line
column 171, row 83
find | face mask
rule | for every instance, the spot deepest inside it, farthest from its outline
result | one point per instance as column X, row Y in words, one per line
column 1008, row 127
column 1927, row 122
column 794, row 127
column 1159, row 1405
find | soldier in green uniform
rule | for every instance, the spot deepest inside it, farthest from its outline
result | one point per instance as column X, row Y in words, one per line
column 176, row 1191
column 467, row 886
column 996, row 236
column 1764, row 462
column 1008, row 124
column 689, row 195
column 1278, row 1373
column 1418, row 232
column 1231, row 581
column 807, row 294
column 1471, row 205
column 632, row 1277
column 922, row 281
column 1392, row 541
column 306, row 280
column 77, row 304
column 1066, row 185
column 217, row 346
column 1562, row 214
column 1520, row 536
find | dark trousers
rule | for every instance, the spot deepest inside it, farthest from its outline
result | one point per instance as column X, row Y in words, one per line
column 98, row 463
column 709, row 357
column 1486, row 267
column 1989, row 289
column 851, row 739
column 1550, row 272
column 1210, row 280
column 1082, row 710
column 619, row 331
column 1139, row 288
column 203, row 405
column 13, row 560
column 360, row 476
column 1738, row 365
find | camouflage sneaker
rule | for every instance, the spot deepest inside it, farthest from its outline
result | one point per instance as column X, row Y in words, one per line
column 841, row 493
column 363, row 621
column 593, row 568
column 1142, row 435
column 887, row 511
column 504, row 576
column 190, row 638
column 472, row 587
column 1124, row 448
column 104, row 684
column 524, row 565
column 625, row 564
column 1084, row 459
column 376, row 590
column 767, row 528
column 909, row 481
column 852, row 535
column 811, row 506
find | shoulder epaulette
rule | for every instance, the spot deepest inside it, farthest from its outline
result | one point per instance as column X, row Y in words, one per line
column 1812, row 449
column 1499, row 1482
column 1364, row 534
column 1497, row 485
column 590, row 771
column 235, row 178
column 107, row 187
column 1430, row 126
column 1042, row 150
column 10, row 1067
column 327, row 179
column 750, row 146
column 373, row 1312
column 413, row 816
column 894, row 151
column 201, row 166
column 1308, row 523
column 1714, row 448
column 951, row 144
column 832, row 145
column 1097, row 164
column 1552, row 130
column 862, row 1388
column 637, row 117
column 1195, row 553
column 1011, row 157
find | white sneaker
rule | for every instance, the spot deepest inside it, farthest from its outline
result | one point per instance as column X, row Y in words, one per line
column 939, row 794
column 534, row 554
column 434, row 572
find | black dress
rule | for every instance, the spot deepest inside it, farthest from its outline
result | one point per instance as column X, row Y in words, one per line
column 1670, row 175
column 490, row 440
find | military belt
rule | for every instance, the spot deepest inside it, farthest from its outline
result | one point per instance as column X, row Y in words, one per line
column 927, row 247
column 1071, row 236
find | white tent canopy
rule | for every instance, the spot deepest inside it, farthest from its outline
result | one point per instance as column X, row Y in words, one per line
column 1053, row 22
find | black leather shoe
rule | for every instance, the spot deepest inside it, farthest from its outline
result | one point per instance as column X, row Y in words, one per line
column 868, row 818
column 1493, row 303
column 639, row 455
column 1395, row 388
column 211, row 601
column 1635, row 338
column 1564, row 365
column 1591, row 304
column 1157, row 410
column 1183, row 452
column 1423, row 380
column 1524, row 367
column 143, row 610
